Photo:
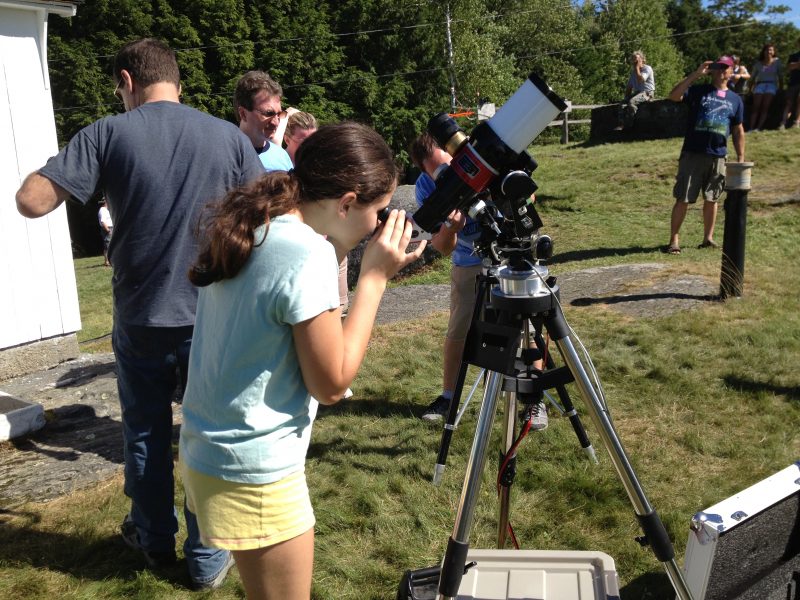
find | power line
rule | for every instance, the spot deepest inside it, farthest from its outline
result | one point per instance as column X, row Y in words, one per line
column 333, row 35
column 331, row 82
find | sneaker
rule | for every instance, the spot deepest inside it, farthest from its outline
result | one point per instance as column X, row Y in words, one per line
column 537, row 413
column 154, row 560
column 437, row 409
column 217, row 582
column 347, row 394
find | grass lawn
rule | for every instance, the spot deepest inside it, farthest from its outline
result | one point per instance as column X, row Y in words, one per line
column 706, row 402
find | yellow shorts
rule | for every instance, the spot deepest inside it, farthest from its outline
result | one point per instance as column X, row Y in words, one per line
column 245, row 516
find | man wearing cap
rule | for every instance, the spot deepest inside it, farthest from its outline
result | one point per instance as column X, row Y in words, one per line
column 714, row 113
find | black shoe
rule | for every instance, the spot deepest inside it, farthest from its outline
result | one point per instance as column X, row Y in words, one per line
column 154, row 560
column 437, row 410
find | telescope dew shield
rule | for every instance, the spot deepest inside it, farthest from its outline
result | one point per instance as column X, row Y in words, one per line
column 527, row 113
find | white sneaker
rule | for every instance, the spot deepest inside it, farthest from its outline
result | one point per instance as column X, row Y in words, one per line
column 347, row 394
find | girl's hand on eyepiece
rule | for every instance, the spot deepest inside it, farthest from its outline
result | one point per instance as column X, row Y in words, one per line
column 386, row 254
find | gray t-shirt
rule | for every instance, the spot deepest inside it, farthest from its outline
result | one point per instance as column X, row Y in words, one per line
column 158, row 165
column 649, row 83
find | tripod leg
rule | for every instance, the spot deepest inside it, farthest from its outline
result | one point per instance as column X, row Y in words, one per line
column 569, row 408
column 509, row 434
column 456, row 556
column 654, row 530
column 481, row 290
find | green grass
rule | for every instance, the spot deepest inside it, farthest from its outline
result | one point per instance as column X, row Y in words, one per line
column 706, row 403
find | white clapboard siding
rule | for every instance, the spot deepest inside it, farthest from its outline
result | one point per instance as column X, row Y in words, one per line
column 38, row 295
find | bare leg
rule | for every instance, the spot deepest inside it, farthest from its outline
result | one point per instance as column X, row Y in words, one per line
column 678, row 215
column 453, row 350
column 786, row 110
column 279, row 572
column 755, row 113
column 797, row 110
column 709, row 220
column 767, row 102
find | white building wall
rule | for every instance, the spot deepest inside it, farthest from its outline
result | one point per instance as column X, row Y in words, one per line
column 38, row 294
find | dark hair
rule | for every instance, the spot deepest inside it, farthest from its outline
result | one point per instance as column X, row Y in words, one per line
column 762, row 56
column 148, row 61
column 341, row 158
column 249, row 85
column 421, row 149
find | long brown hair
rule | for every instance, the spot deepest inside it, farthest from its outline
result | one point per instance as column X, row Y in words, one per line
column 341, row 158
column 763, row 54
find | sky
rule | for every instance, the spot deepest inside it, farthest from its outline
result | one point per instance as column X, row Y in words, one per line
column 793, row 16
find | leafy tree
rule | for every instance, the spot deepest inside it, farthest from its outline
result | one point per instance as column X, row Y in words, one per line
column 395, row 77
column 81, row 51
column 628, row 25
column 227, row 50
column 547, row 41
column 295, row 44
column 726, row 27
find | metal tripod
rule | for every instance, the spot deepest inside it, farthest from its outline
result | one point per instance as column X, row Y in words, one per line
column 522, row 296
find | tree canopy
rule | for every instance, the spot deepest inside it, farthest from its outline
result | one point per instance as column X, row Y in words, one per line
column 388, row 62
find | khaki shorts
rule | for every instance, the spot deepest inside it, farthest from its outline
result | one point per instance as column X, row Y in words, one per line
column 462, row 301
column 699, row 174
column 245, row 516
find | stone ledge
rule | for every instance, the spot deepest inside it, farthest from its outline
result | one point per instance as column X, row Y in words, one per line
column 36, row 356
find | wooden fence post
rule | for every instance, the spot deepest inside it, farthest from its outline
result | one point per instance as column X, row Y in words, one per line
column 565, row 123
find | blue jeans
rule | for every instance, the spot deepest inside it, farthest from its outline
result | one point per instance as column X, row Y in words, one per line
column 151, row 362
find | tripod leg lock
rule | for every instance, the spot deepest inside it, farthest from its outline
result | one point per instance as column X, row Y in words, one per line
column 453, row 568
column 655, row 536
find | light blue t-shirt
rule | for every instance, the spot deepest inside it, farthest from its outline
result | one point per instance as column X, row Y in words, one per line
column 464, row 253
column 275, row 158
column 247, row 414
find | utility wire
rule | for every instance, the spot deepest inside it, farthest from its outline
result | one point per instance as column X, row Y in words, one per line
column 332, row 82
column 272, row 41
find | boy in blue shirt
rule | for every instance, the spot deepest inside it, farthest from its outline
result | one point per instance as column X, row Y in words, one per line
column 456, row 240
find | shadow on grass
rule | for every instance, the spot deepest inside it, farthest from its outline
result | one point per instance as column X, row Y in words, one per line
column 642, row 297
column 650, row 586
column 748, row 385
column 577, row 255
column 372, row 407
column 345, row 448
column 23, row 546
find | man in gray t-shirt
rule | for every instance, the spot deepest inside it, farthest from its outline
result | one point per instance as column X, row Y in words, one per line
column 159, row 163
column 641, row 88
